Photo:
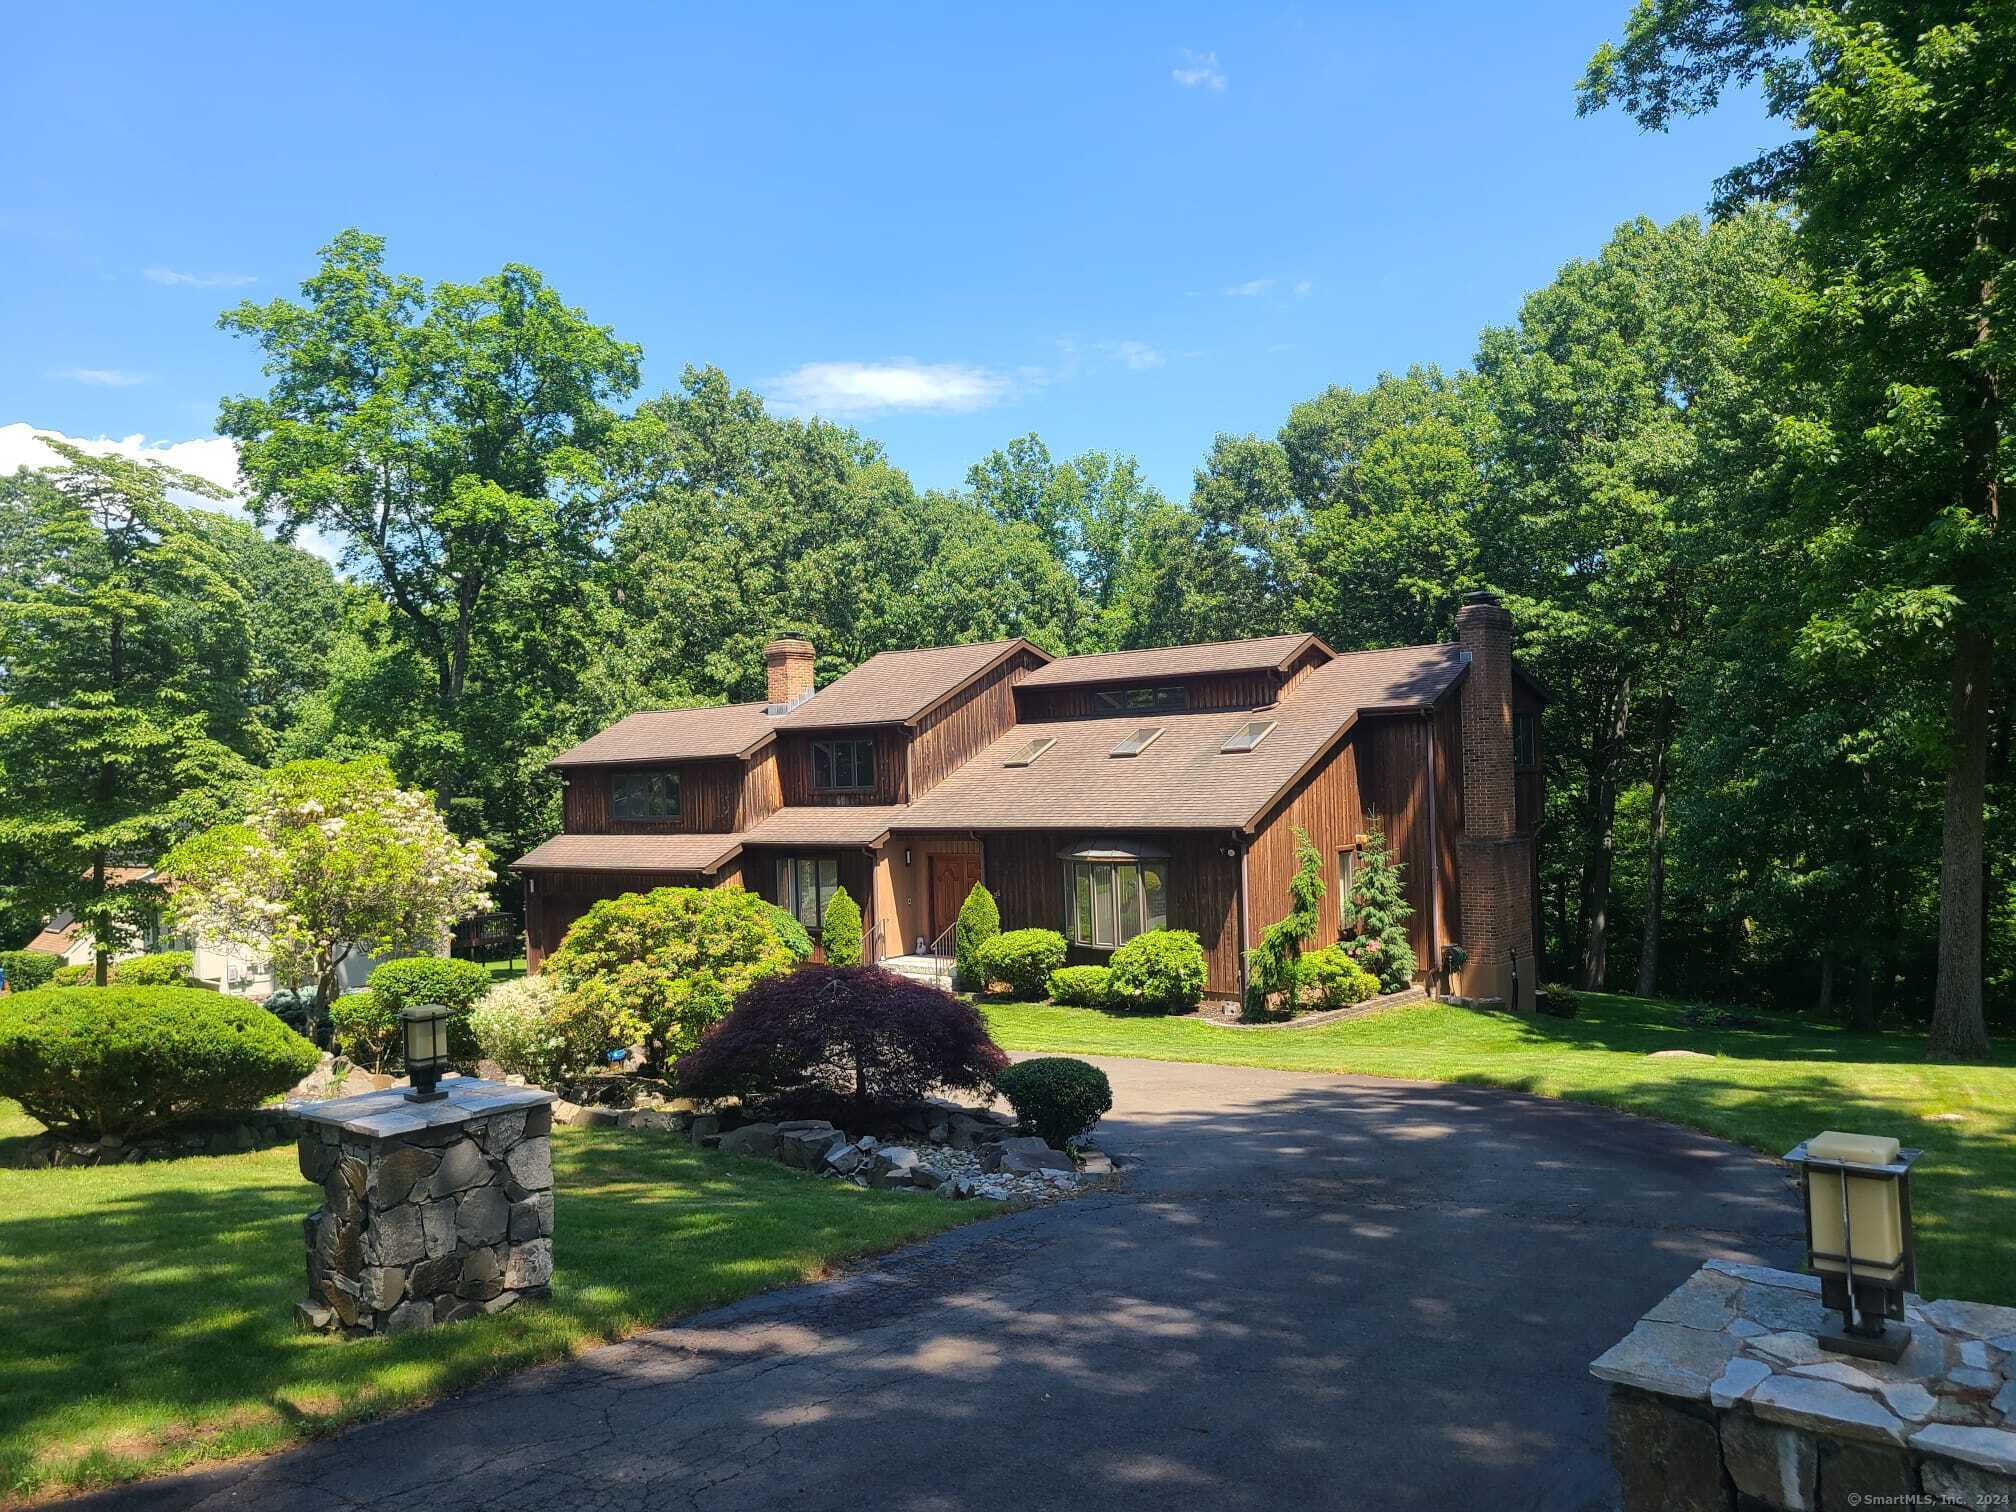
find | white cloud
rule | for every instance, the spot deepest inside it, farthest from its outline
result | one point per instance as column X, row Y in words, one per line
column 1138, row 355
column 100, row 377
column 172, row 277
column 865, row 388
column 1304, row 287
column 1199, row 71
column 1253, row 288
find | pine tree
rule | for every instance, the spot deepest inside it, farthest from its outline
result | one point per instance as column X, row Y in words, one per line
column 842, row 932
column 979, row 921
column 1377, row 912
column 1271, row 967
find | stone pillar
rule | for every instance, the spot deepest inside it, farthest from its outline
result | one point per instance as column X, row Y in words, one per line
column 431, row 1212
column 1494, row 861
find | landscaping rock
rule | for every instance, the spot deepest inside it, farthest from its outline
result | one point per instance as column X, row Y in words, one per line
column 704, row 1129
column 482, row 1217
column 892, row 1167
column 1959, row 1485
column 843, row 1159
column 759, row 1139
column 805, row 1147
column 1096, row 1163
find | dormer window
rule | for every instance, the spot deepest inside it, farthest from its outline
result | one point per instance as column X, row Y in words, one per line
column 843, row 766
column 637, row 797
column 1139, row 741
column 1140, row 700
column 1029, row 754
column 1247, row 736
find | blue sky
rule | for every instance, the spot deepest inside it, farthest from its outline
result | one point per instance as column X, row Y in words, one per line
column 1127, row 229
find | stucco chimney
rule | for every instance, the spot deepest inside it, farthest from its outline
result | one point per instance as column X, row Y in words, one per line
column 1496, row 863
column 788, row 664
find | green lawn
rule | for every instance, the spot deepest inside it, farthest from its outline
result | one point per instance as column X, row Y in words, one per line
column 1768, row 1087
column 145, row 1311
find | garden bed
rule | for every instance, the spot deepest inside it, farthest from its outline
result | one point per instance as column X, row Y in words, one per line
column 1232, row 1015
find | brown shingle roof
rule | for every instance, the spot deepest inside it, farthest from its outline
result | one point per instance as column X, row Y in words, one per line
column 894, row 686
column 861, row 824
column 674, row 735
column 1183, row 780
column 670, row 853
column 1262, row 654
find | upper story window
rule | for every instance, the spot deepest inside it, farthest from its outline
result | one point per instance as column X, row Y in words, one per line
column 646, row 795
column 1136, row 700
column 1525, row 742
column 843, row 766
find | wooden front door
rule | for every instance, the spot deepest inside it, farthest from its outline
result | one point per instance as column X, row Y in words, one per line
column 952, row 877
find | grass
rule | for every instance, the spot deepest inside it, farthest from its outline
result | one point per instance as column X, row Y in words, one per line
column 145, row 1311
column 1768, row 1087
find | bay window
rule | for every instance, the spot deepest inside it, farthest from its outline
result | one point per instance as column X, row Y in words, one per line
column 1107, row 903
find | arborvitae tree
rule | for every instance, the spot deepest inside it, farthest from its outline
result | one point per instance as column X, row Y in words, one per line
column 979, row 922
column 1271, row 967
column 842, row 933
column 1377, row 913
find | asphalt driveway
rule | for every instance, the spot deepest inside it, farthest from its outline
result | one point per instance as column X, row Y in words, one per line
column 1315, row 1292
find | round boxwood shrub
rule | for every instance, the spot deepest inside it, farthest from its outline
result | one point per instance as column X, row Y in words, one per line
column 1329, row 978
column 849, row 1030
column 83, row 974
column 1161, row 971
column 1022, row 958
column 28, row 969
column 1057, row 1098
column 1080, row 986
column 978, row 922
column 126, row 1060
column 364, row 1031
column 165, row 968
column 1558, row 1001
column 407, row 983
column 841, row 934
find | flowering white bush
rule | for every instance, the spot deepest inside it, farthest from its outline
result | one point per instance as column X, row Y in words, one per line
column 534, row 1029
column 334, row 857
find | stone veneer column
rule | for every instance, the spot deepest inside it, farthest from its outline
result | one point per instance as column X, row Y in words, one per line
column 431, row 1212
column 1494, row 861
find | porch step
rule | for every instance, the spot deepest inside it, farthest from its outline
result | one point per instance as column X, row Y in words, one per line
column 936, row 970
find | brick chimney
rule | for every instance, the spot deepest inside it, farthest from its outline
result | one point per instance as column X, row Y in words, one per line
column 788, row 663
column 1495, row 861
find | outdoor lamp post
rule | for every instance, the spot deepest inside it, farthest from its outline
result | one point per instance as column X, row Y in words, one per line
column 1858, row 1237
column 424, row 1030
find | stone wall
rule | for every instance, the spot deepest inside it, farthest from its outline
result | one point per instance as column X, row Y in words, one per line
column 1722, row 1400
column 431, row 1212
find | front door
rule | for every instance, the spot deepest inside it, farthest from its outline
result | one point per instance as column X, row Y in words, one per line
column 952, row 877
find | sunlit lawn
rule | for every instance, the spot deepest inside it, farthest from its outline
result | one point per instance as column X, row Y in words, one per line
column 145, row 1311
column 1767, row 1087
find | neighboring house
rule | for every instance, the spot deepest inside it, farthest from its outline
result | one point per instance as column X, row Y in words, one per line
column 1097, row 795
column 65, row 936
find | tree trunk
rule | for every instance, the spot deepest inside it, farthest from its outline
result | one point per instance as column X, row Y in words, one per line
column 1600, row 839
column 1959, row 1027
column 1655, row 869
column 102, row 956
column 1823, row 1006
column 1865, row 999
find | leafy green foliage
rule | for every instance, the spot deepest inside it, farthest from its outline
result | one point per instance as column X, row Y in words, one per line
column 364, row 1029
column 841, row 933
column 1329, row 978
column 1081, row 986
column 1058, row 1099
column 1557, row 1001
column 1021, row 958
column 796, row 938
column 664, row 966
column 26, row 970
column 533, row 1028
column 978, row 922
column 1160, row 971
column 124, row 1060
column 1377, row 912
column 1271, row 967
column 442, row 980
column 165, row 968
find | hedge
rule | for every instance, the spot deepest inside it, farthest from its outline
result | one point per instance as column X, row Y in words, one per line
column 28, row 969
column 1161, row 971
column 1081, row 986
column 1023, row 958
column 456, row 984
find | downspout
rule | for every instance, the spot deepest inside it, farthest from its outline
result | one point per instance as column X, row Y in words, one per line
column 1434, row 870
column 1240, row 842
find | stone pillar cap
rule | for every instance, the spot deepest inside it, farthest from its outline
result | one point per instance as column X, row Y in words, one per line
column 386, row 1114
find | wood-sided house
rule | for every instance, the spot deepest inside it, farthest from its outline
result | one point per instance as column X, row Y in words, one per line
column 1097, row 795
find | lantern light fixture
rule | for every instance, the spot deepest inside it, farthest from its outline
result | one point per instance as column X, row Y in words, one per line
column 424, row 1034
column 1858, row 1238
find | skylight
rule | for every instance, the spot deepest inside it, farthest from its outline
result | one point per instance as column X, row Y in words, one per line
column 1248, row 735
column 1027, row 755
column 1139, row 741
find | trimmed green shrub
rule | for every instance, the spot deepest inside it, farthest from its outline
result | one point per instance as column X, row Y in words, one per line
column 796, row 938
column 1080, row 986
column 1161, row 971
column 1056, row 1098
column 1022, row 958
column 1329, row 978
column 28, row 969
column 842, row 932
column 534, row 1028
column 1558, row 1001
column 451, row 983
column 83, row 974
column 365, row 1031
column 979, row 921
column 166, row 968
column 129, row 1059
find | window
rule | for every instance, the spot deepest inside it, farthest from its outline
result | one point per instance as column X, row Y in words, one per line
column 1139, row 700
column 1107, row 903
column 843, row 766
column 1027, row 755
column 1347, row 877
column 1139, row 741
column 646, row 795
column 1525, row 742
column 1248, row 736
column 805, row 885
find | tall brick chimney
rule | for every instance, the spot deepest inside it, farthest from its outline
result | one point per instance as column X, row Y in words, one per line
column 788, row 664
column 1494, row 859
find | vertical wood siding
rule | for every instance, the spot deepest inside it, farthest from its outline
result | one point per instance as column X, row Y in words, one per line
column 1393, row 778
column 762, row 794
column 1326, row 805
column 949, row 737
column 794, row 766
column 709, row 792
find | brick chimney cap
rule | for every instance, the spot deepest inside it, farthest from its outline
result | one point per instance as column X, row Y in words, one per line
column 789, row 643
column 1480, row 596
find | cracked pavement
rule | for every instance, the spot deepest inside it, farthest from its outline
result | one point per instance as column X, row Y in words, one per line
column 1316, row 1291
